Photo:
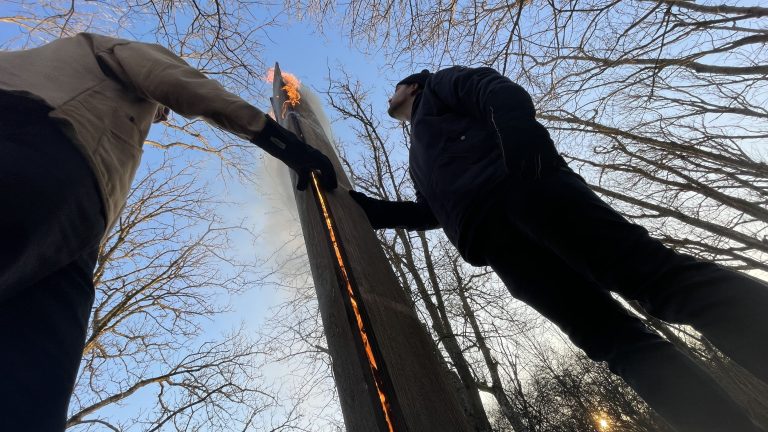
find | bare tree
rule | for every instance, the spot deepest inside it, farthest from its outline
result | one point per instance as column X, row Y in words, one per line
column 294, row 337
column 164, row 273
column 295, row 340
column 568, row 391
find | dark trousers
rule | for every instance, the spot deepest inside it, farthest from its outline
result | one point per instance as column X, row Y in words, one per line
column 51, row 223
column 559, row 248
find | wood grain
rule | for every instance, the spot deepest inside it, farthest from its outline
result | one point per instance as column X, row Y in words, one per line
column 425, row 401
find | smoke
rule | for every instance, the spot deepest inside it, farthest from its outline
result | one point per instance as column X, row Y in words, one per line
column 281, row 228
column 311, row 99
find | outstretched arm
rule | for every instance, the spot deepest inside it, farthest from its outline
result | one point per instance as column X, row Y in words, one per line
column 155, row 73
column 411, row 215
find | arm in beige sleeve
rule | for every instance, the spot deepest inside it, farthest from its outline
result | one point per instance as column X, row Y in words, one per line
column 160, row 75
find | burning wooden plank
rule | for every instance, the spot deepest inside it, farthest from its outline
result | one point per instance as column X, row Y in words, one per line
column 385, row 367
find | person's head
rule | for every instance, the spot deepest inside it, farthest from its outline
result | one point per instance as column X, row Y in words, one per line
column 401, row 102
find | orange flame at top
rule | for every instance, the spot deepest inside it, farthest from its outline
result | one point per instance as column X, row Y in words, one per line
column 291, row 87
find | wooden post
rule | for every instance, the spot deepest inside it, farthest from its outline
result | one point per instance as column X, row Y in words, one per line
column 385, row 366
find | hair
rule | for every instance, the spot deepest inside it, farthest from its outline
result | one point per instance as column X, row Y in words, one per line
column 420, row 79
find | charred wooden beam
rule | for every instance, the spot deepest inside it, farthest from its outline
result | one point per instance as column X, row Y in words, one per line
column 386, row 368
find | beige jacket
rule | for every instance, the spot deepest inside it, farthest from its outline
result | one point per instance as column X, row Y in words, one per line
column 105, row 91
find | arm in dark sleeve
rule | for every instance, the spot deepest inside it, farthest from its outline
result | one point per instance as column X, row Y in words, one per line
column 410, row 215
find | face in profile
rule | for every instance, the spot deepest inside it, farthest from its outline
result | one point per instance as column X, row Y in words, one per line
column 401, row 101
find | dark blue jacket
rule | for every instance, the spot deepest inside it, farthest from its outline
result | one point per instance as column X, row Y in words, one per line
column 470, row 129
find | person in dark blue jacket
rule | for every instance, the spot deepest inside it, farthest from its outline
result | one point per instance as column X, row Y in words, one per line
column 488, row 173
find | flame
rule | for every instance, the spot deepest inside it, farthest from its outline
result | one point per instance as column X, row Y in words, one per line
column 291, row 87
column 372, row 362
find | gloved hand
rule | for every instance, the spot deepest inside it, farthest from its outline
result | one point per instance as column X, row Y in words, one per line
column 373, row 208
column 395, row 214
column 300, row 157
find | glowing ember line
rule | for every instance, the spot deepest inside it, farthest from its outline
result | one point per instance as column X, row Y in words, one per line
column 372, row 363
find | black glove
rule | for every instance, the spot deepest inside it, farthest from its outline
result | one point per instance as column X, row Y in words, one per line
column 300, row 157
column 396, row 214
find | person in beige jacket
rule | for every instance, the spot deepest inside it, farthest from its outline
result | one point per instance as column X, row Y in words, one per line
column 75, row 113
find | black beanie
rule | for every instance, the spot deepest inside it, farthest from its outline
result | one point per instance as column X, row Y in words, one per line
column 417, row 78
